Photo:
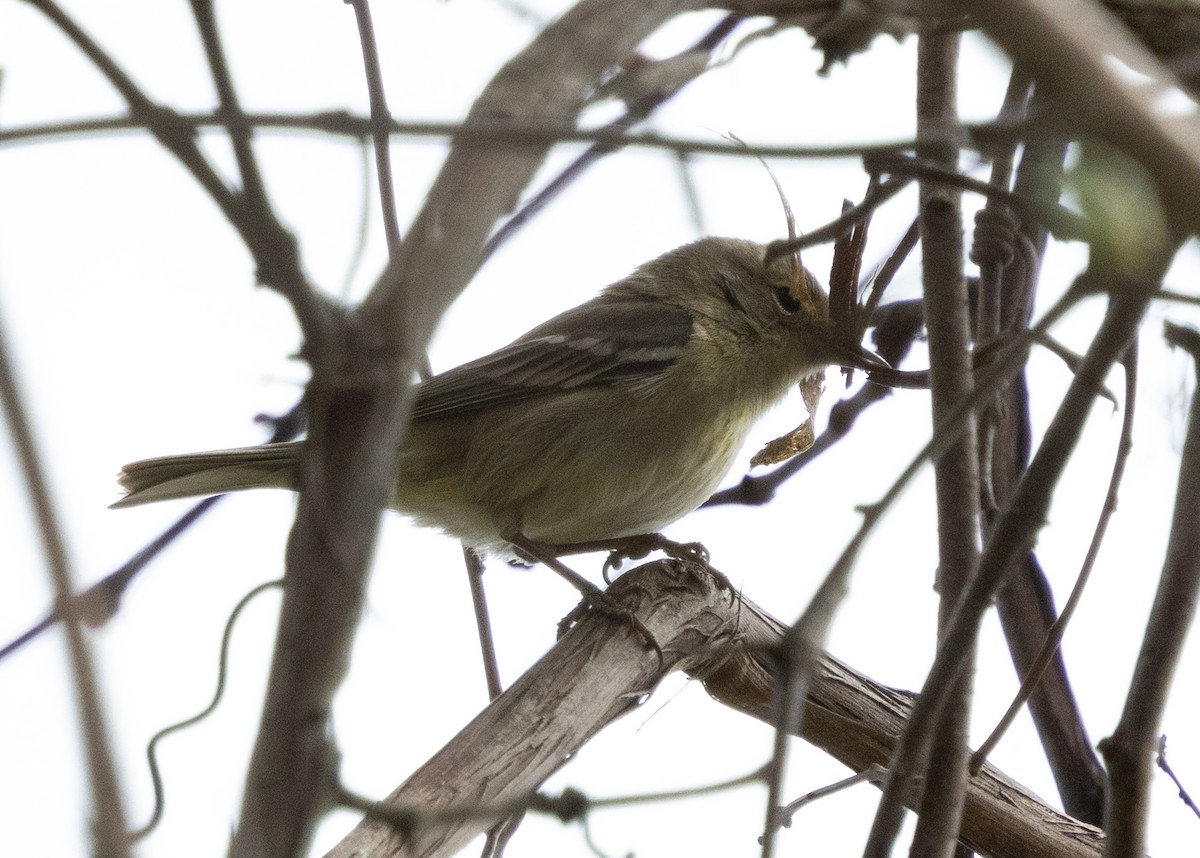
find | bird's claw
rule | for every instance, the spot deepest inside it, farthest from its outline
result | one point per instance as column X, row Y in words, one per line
column 599, row 601
column 637, row 547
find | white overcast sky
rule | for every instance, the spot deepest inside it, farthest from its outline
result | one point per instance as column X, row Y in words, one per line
column 137, row 330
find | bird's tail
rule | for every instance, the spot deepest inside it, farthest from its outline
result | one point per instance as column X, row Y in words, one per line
column 201, row 474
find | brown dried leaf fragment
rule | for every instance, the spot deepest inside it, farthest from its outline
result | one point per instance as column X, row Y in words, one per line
column 802, row 437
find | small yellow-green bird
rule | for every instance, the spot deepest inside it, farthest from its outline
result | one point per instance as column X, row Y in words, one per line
column 610, row 420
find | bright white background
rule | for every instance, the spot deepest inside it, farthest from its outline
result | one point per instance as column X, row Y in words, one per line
column 137, row 330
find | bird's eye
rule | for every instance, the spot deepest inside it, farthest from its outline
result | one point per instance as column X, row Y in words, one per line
column 789, row 302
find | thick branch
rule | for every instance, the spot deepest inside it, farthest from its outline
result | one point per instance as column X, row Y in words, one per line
column 599, row 668
column 548, row 83
column 1069, row 47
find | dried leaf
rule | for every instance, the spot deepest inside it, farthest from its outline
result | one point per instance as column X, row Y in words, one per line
column 802, row 437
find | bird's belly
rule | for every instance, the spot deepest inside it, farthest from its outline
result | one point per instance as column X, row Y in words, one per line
column 600, row 474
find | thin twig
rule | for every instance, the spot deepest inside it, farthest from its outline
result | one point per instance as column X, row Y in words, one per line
column 993, row 255
column 879, row 195
column 483, row 622
column 1012, row 537
column 1160, row 760
column 568, row 806
column 874, row 775
column 991, row 269
column 1063, row 223
column 240, row 134
column 345, row 124
column 1128, row 751
column 1059, row 628
column 109, row 814
column 635, row 113
column 273, row 247
column 379, row 118
column 1025, row 605
column 886, row 273
column 99, row 603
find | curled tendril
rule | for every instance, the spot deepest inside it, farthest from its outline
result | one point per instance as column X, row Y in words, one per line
column 152, row 745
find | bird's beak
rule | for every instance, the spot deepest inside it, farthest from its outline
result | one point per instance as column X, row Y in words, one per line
column 857, row 357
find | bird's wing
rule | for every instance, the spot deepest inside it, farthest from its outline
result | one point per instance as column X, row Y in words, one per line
column 602, row 341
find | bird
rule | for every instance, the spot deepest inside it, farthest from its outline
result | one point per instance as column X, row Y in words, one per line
column 610, row 420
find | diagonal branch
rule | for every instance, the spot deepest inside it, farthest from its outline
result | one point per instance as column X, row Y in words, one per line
column 380, row 116
column 239, row 131
column 1129, row 752
column 109, row 830
column 1074, row 49
column 273, row 247
column 1011, row 539
column 593, row 673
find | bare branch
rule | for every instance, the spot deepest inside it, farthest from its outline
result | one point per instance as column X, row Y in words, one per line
column 499, row 133
column 379, row 118
column 956, row 471
column 109, row 825
column 239, row 132
column 1069, row 47
column 483, row 621
column 1026, row 604
column 359, row 399
column 1129, row 751
column 598, row 671
column 1059, row 628
column 1160, row 760
column 1012, row 537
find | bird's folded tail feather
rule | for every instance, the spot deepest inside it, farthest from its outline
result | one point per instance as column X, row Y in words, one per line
column 211, row 473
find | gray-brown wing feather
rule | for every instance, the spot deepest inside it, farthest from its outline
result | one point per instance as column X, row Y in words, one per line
column 600, row 342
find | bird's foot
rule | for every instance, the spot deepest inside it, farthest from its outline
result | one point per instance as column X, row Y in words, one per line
column 593, row 597
column 637, row 547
